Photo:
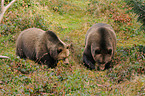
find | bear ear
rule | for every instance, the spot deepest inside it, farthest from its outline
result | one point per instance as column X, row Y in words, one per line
column 109, row 50
column 69, row 46
column 97, row 50
column 59, row 50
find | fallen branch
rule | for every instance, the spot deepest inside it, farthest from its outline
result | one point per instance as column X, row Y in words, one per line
column 4, row 8
column 3, row 57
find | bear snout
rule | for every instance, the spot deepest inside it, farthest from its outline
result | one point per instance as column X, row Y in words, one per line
column 66, row 61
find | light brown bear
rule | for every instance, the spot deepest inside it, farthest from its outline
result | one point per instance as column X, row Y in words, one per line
column 42, row 47
column 100, row 46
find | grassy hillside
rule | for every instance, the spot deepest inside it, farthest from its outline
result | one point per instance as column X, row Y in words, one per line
column 70, row 20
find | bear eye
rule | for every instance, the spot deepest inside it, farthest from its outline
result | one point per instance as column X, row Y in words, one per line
column 67, row 47
column 59, row 50
column 97, row 51
column 110, row 51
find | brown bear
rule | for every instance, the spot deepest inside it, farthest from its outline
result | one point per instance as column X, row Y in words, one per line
column 100, row 46
column 42, row 47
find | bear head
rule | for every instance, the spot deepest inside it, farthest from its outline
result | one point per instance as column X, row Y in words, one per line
column 102, row 55
column 58, row 50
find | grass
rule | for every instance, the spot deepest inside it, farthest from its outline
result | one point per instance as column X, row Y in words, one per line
column 70, row 20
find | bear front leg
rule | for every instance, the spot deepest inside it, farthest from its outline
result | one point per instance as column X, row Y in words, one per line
column 87, row 62
column 45, row 58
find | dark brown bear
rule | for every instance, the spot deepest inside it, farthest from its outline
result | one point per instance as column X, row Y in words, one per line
column 41, row 46
column 100, row 46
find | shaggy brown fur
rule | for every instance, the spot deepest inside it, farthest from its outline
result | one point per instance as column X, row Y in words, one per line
column 100, row 46
column 41, row 46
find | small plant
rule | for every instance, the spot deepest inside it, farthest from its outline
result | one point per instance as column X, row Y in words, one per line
column 121, row 18
column 131, row 64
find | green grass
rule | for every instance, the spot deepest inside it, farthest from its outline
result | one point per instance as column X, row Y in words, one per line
column 70, row 20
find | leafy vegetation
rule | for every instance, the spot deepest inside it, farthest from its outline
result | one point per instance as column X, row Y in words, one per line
column 138, row 7
column 70, row 20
